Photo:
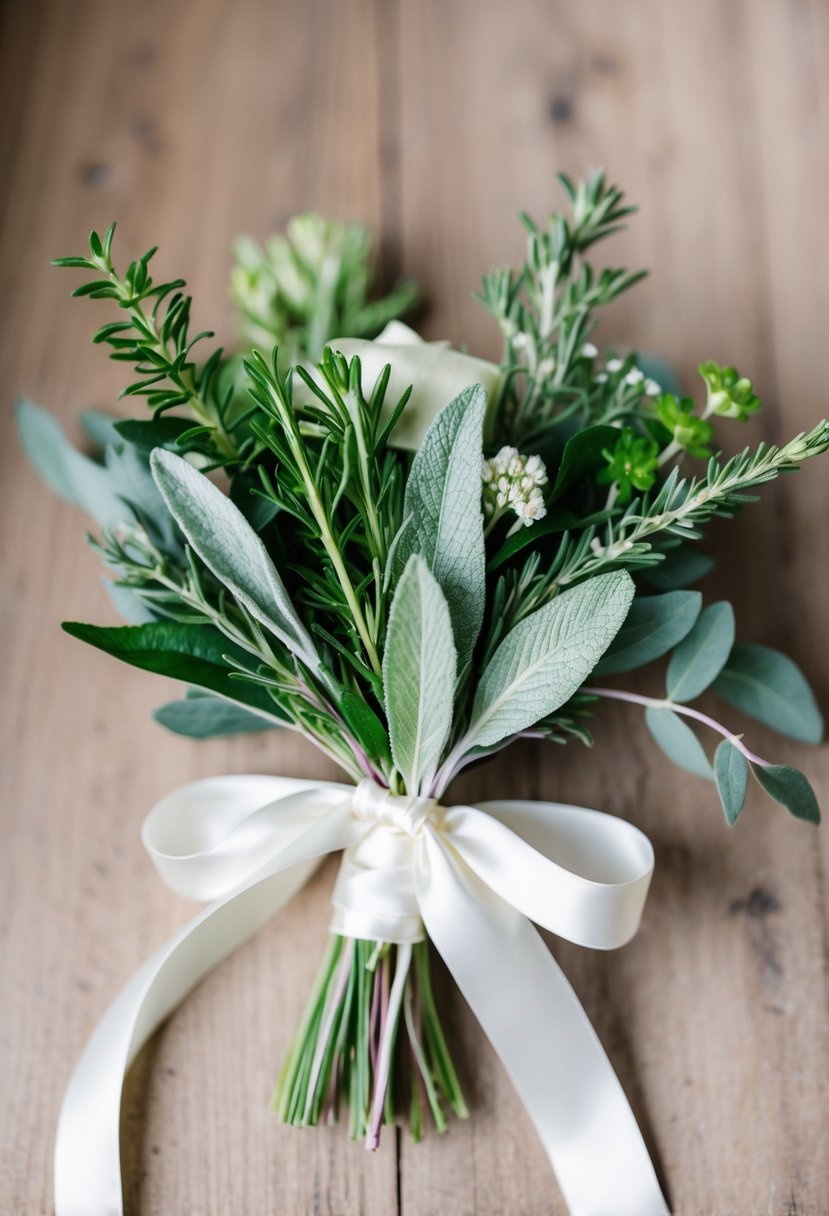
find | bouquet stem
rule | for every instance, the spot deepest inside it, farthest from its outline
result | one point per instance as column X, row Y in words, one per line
column 370, row 1039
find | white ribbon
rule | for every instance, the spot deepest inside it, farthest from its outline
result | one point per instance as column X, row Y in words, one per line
column 472, row 876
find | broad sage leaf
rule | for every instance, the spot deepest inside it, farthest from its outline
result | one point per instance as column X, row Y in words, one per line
column 228, row 545
column 678, row 741
column 547, row 657
column 731, row 773
column 770, row 687
column 443, row 503
column 654, row 625
column 419, row 668
column 206, row 717
column 700, row 657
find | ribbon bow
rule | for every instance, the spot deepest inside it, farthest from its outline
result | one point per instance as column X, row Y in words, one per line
column 471, row 877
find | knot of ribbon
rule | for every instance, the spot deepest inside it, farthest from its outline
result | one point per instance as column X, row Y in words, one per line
column 472, row 878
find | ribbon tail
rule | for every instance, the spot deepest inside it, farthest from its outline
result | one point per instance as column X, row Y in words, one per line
column 543, row 1037
column 87, row 1147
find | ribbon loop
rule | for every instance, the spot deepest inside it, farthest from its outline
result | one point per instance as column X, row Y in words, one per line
column 473, row 875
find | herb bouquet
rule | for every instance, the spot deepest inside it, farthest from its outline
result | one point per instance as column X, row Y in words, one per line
column 414, row 558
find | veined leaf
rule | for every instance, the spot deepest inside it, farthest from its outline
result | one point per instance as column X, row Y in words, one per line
column 193, row 653
column 443, row 499
column 547, row 657
column 770, row 687
column 700, row 657
column 205, row 717
column 790, row 788
column 654, row 625
column 731, row 773
column 419, row 668
column 226, row 543
column 678, row 741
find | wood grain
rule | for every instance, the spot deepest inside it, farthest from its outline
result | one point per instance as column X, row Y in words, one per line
column 434, row 122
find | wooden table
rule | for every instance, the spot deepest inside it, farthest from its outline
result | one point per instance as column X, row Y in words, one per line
column 193, row 121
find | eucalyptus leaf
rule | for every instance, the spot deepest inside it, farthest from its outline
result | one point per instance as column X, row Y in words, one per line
column 226, row 543
column 654, row 625
column 443, row 502
column 700, row 657
column 731, row 773
column 790, row 788
column 547, row 657
column 419, row 669
column 770, row 687
column 678, row 741
column 205, row 717
column 679, row 568
column 582, row 455
column 73, row 476
column 192, row 653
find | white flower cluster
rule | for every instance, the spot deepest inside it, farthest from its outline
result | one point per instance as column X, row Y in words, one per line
column 650, row 387
column 513, row 482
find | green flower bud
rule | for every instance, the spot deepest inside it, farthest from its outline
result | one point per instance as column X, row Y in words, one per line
column 729, row 394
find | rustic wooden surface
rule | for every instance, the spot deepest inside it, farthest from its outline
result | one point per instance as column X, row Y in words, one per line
column 193, row 121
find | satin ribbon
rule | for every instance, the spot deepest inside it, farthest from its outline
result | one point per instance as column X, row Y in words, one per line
column 470, row 877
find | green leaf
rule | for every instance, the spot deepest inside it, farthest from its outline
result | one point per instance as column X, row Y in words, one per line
column 160, row 432
column 100, row 427
column 680, row 568
column 731, row 773
column 226, row 543
column 678, row 741
column 790, row 788
column 557, row 520
column 701, row 656
column 547, row 657
column 128, row 603
column 73, row 476
column 419, row 669
column 654, row 625
column 770, row 687
column 364, row 724
column 193, row 653
column 582, row 455
column 205, row 717
column 443, row 499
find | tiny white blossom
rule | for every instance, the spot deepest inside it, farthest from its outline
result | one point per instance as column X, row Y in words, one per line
column 614, row 365
column 589, row 351
column 652, row 388
column 546, row 368
column 601, row 378
column 520, row 341
column 597, row 546
column 634, row 376
column 513, row 482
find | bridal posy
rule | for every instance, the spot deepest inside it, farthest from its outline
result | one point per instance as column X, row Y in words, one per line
column 415, row 557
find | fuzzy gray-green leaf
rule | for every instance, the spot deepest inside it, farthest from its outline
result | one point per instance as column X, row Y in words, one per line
column 547, row 657
column 226, row 543
column 770, row 687
column 419, row 667
column 443, row 503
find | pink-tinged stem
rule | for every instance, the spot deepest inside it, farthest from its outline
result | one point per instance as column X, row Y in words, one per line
column 332, row 1005
column 387, row 1037
column 374, row 1016
column 615, row 694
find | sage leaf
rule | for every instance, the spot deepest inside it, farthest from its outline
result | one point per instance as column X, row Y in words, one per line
column 700, row 657
column 790, row 788
column 731, row 773
column 678, row 741
column 419, row 668
column 128, row 603
column 364, row 724
column 770, row 687
column 226, row 543
column 149, row 433
column 547, row 657
column 197, row 654
column 443, row 503
column 205, row 717
column 654, row 625
column 73, row 477
column 100, row 427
